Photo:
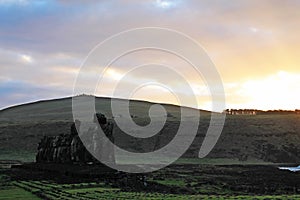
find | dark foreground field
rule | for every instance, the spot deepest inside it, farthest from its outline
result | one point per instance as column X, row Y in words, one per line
column 48, row 181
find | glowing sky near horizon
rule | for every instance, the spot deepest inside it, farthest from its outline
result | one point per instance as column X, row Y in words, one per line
column 254, row 45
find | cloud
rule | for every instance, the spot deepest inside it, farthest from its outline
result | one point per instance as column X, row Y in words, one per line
column 17, row 92
column 14, row 2
column 39, row 69
column 278, row 90
column 43, row 43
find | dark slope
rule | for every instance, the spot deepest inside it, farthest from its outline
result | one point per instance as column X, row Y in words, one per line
column 272, row 138
column 22, row 126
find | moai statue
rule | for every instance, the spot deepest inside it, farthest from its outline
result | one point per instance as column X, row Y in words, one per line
column 46, row 149
column 41, row 150
column 64, row 149
column 61, row 156
column 88, row 158
column 77, row 148
column 74, row 127
column 102, row 147
column 56, row 146
column 49, row 150
column 59, row 149
column 97, row 142
column 52, row 149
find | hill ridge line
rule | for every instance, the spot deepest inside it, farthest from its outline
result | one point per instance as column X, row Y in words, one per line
column 96, row 97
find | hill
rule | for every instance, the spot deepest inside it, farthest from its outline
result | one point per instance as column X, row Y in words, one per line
column 257, row 138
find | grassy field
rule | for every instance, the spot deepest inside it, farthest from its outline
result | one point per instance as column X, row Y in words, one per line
column 33, row 190
column 222, row 161
column 188, row 181
column 258, row 139
column 11, row 193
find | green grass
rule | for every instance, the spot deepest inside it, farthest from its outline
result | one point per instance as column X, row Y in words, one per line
column 92, row 189
column 221, row 161
column 24, row 156
column 27, row 190
column 171, row 182
column 12, row 193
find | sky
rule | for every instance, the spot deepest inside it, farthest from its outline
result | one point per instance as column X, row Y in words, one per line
column 254, row 45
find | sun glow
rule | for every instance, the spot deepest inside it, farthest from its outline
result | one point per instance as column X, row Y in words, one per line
column 165, row 4
column 113, row 74
column 280, row 90
column 26, row 58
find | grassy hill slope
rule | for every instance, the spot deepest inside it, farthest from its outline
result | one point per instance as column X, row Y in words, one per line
column 271, row 138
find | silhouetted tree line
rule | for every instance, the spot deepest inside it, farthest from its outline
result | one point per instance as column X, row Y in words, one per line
column 259, row 112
